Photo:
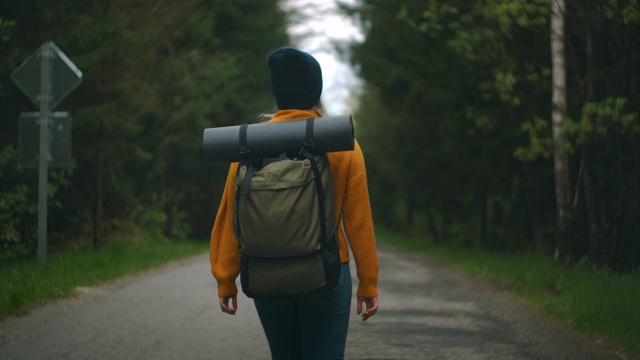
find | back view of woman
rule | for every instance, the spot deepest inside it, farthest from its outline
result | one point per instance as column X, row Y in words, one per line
column 312, row 326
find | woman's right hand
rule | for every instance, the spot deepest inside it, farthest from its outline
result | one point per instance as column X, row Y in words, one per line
column 371, row 304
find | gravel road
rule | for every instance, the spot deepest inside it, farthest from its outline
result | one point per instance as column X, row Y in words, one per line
column 427, row 311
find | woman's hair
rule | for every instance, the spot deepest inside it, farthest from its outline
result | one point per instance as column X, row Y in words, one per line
column 318, row 108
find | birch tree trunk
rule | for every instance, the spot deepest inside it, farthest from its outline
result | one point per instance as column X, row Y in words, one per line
column 558, row 115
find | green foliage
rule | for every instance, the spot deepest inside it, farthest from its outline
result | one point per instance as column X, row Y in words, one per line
column 540, row 142
column 448, row 88
column 26, row 285
column 430, row 21
column 14, row 208
column 4, row 25
column 18, row 204
column 603, row 119
column 155, row 74
column 454, row 122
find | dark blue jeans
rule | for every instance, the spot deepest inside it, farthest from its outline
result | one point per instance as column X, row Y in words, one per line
column 313, row 327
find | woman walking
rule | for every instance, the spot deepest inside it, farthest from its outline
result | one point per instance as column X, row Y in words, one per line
column 315, row 326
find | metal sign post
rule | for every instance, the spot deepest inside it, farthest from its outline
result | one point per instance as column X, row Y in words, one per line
column 35, row 77
column 43, row 160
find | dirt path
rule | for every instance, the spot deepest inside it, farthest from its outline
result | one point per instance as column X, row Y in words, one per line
column 427, row 311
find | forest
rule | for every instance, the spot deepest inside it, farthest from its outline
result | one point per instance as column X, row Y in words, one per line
column 155, row 75
column 455, row 120
column 470, row 135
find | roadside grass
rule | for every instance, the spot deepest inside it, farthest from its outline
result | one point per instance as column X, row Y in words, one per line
column 596, row 302
column 26, row 285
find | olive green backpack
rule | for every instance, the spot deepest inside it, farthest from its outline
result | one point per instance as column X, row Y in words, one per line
column 285, row 223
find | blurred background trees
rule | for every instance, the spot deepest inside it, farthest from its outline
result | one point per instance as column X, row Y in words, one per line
column 156, row 73
column 455, row 123
column 454, row 117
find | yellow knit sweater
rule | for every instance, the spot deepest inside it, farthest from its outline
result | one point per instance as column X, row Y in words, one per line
column 351, row 197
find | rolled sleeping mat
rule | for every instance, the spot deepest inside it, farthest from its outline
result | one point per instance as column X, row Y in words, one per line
column 271, row 139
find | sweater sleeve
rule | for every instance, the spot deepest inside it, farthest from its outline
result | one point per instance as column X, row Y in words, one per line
column 358, row 226
column 223, row 250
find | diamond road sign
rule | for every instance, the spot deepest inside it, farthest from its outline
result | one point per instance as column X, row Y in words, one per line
column 46, row 78
column 65, row 76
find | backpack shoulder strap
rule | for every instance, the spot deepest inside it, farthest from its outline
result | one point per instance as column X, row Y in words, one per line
column 248, row 176
column 319, row 190
column 308, row 153
column 244, row 156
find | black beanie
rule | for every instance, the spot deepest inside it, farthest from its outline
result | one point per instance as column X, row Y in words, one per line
column 296, row 78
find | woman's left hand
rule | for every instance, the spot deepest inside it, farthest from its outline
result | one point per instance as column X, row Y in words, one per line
column 229, row 308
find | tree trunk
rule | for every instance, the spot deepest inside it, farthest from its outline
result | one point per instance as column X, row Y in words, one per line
column 635, row 210
column 590, row 204
column 484, row 215
column 98, row 208
column 558, row 115
column 410, row 215
column 97, row 211
column 432, row 226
